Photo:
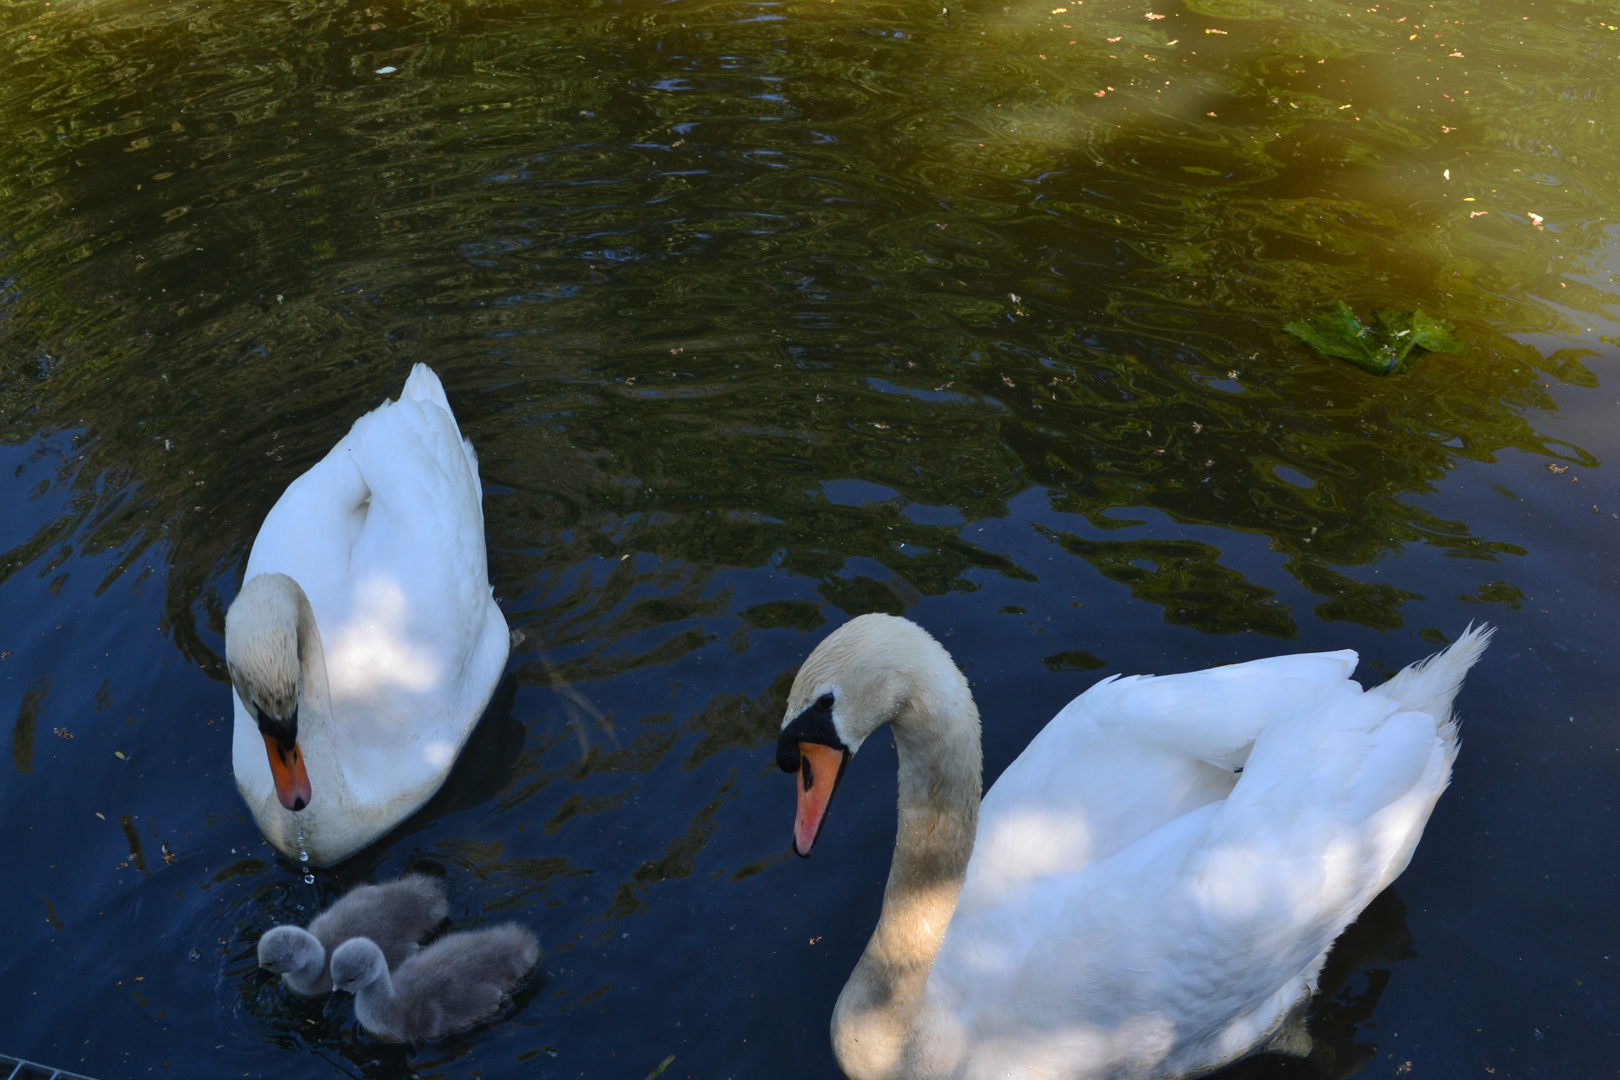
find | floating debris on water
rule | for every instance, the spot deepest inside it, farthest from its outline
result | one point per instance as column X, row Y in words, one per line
column 1383, row 348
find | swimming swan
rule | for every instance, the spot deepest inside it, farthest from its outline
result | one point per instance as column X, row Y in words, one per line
column 1150, row 889
column 365, row 642
column 396, row 916
column 455, row 983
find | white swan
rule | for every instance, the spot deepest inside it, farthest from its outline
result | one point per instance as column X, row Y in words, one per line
column 1150, row 889
column 365, row 642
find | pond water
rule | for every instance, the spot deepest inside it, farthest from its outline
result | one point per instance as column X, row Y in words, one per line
column 762, row 315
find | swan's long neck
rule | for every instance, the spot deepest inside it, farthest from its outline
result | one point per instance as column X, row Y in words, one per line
column 314, row 696
column 936, row 734
column 274, row 648
column 381, row 989
column 317, row 735
column 304, row 981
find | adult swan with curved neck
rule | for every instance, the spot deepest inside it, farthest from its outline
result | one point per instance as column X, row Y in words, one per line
column 1150, row 889
column 365, row 642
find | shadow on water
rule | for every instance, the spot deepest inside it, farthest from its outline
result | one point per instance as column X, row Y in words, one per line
column 1352, row 980
column 484, row 770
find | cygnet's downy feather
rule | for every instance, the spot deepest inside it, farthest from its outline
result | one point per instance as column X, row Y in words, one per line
column 455, row 983
column 394, row 916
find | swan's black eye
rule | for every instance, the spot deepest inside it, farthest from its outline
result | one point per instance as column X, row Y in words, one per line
column 825, row 701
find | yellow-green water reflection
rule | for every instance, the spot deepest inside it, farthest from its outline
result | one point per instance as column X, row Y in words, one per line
column 672, row 228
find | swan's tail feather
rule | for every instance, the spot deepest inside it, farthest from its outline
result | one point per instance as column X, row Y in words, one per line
column 424, row 385
column 1332, row 804
column 1430, row 685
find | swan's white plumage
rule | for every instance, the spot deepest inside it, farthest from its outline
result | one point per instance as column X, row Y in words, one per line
column 1149, row 891
column 1147, row 749
column 1129, row 886
column 385, row 535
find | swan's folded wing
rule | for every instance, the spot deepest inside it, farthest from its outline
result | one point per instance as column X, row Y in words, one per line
column 398, row 493
column 309, row 533
column 422, row 629
column 386, row 536
column 1326, row 815
column 1130, row 755
column 424, row 385
column 1216, row 714
column 1178, row 952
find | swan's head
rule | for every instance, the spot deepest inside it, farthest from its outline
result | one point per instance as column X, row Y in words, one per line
column 261, row 653
column 356, row 964
column 291, row 950
column 855, row 681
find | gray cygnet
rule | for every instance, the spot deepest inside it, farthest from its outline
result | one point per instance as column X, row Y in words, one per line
column 395, row 916
column 455, row 983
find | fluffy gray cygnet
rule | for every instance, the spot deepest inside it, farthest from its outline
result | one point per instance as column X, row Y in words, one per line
column 394, row 916
column 454, row 984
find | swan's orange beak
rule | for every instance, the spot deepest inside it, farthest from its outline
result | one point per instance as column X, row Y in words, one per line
column 292, row 782
column 820, row 769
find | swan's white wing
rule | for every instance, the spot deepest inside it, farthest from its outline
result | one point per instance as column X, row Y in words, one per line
column 1182, row 949
column 309, row 533
column 424, row 386
column 1329, row 810
column 1336, row 805
column 1130, row 755
column 386, row 536
column 422, row 643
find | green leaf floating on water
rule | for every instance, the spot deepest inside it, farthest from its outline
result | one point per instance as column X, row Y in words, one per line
column 1383, row 348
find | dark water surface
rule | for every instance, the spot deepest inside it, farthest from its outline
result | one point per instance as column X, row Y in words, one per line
column 762, row 315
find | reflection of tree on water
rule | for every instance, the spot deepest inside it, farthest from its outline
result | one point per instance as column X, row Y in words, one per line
column 680, row 857
column 1348, row 990
column 665, row 343
column 1185, row 578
